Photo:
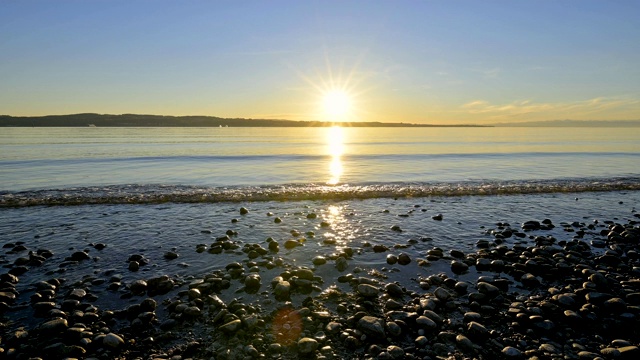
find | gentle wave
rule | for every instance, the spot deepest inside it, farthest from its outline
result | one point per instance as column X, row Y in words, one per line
column 154, row 194
column 303, row 157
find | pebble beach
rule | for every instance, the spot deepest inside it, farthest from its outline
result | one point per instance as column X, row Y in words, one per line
column 410, row 278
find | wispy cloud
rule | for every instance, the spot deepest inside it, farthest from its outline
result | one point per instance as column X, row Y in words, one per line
column 528, row 108
column 491, row 73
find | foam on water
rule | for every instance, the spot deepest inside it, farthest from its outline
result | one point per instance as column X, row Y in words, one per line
column 155, row 194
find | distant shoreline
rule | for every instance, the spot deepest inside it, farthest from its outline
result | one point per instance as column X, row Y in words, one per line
column 133, row 120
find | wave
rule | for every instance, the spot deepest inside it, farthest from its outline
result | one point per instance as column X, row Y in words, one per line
column 310, row 157
column 156, row 194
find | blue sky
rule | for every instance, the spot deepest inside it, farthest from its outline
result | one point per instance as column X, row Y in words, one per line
column 398, row 61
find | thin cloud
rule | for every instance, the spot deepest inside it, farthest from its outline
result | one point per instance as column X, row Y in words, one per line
column 491, row 73
column 529, row 108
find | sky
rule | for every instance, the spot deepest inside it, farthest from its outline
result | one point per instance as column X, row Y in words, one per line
column 436, row 62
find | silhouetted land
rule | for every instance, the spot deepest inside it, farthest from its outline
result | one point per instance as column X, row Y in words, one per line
column 572, row 123
column 133, row 120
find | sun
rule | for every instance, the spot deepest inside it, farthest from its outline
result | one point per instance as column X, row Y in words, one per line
column 336, row 105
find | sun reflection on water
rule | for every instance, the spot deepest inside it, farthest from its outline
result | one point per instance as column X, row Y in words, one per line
column 335, row 143
column 342, row 230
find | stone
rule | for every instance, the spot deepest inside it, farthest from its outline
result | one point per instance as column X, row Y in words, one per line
column 112, row 340
column 341, row 264
column 192, row 311
column 395, row 352
column 426, row 323
column 372, row 326
column 138, row 286
column 231, row 327
column 307, row 345
column 458, row 267
column 442, row 294
column 79, row 256
column 488, row 289
column 394, row 290
column 404, row 259
column 77, row 294
column 134, row 266
column 282, row 290
column 511, row 353
column 629, row 352
column 290, row 244
column 393, row 328
column 529, row 280
column 170, row 255
column 464, row 342
column 252, row 282
column 477, row 330
column 333, row 327
column 319, row 260
column 367, row 290
column 55, row 326
column 610, row 353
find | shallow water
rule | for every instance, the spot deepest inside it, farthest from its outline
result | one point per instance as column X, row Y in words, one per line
column 153, row 229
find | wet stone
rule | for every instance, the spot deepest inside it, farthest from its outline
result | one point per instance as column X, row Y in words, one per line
column 79, row 256
column 458, row 267
column 488, row 289
column 170, row 255
column 138, row 286
column 394, row 290
column 134, row 266
column 252, row 282
column 404, row 259
column 319, row 260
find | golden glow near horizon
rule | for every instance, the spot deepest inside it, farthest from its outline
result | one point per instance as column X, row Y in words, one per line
column 335, row 143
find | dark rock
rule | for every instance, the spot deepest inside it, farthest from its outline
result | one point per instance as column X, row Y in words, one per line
column 372, row 326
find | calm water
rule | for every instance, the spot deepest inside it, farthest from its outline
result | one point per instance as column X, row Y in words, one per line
column 163, row 158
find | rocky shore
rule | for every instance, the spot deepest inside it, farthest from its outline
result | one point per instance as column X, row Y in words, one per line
column 521, row 294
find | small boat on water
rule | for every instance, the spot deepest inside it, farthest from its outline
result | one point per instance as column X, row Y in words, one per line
column 92, row 125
